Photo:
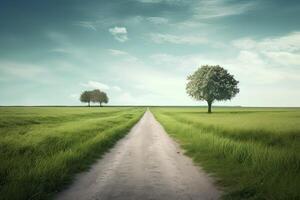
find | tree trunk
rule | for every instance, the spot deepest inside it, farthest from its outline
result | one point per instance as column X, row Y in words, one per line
column 89, row 104
column 100, row 104
column 209, row 106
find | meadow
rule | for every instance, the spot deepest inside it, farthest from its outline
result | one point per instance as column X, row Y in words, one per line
column 42, row 148
column 253, row 153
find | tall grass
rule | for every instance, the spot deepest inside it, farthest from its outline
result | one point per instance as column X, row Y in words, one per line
column 42, row 148
column 253, row 153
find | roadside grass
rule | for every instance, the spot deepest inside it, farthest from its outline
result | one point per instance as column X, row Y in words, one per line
column 252, row 152
column 42, row 148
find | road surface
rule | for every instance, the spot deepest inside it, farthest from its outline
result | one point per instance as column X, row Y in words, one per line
column 146, row 164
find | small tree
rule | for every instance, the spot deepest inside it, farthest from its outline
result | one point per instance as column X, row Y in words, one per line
column 212, row 83
column 99, row 97
column 86, row 97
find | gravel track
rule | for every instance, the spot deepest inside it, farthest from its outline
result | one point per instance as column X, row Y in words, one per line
column 147, row 164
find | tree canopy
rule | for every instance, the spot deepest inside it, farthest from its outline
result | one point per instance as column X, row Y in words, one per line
column 86, row 97
column 95, row 96
column 99, row 97
column 212, row 83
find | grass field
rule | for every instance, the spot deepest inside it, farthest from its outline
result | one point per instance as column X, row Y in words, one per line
column 254, row 153
column 42, row 148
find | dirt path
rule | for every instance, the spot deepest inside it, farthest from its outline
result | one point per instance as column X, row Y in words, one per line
column 146, row 164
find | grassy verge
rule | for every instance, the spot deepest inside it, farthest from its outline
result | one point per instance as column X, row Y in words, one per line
column 42, row 148
column 253, row 153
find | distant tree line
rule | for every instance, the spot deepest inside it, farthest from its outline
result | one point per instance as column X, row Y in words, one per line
column 95, row 96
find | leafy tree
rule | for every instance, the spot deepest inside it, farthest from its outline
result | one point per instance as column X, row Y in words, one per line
column 86, row 97
column 103, row 98
column 99, row 97
column 96, row 95
column 211, row 83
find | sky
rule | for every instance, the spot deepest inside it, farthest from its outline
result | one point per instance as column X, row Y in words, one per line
column 140, row 52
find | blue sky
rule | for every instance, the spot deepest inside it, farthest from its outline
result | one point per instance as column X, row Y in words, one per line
column 141, row 51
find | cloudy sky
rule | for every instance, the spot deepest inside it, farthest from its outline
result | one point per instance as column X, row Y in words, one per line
column 141, row 51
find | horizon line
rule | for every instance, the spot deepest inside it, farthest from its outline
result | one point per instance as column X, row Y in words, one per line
column 204, row 106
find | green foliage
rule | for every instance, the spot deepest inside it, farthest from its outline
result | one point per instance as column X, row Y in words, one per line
column 104, row 98
column 42, row 148
column 211, row 83
column 86, row 97
column 99, row 97
column 95, row 96
column 252, row 152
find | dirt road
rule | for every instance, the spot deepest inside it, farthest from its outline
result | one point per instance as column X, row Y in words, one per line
column 146, row 164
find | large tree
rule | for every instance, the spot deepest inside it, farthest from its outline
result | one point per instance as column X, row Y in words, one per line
column 86, row 97
column 212, row 83
column 99, row 97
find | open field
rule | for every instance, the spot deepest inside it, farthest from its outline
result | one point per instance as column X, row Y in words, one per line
column 253, row 152
column 41, row 148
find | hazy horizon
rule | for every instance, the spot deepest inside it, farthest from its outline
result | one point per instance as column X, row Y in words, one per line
column 141, row 51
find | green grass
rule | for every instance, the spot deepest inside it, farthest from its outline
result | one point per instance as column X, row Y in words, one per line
column 42, row 148
column 254, row 153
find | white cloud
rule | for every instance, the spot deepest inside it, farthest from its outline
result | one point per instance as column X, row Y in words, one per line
column 116, row 88
column 158, row 20
column 125, row 56
column 119, row 33
column 100, row 86
column 118, row 30
column 181, row 63
column 188, row 24
column 284, row 58
column 259, row 62
column 117, row 52
column 24, row 71
column 289, row 43
column 220, row 8
column 87, row 24
column 175, row 39
column 245, row 43
column 248, row 57
column 283, row 50
column 96, row 85
column 253, row 69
